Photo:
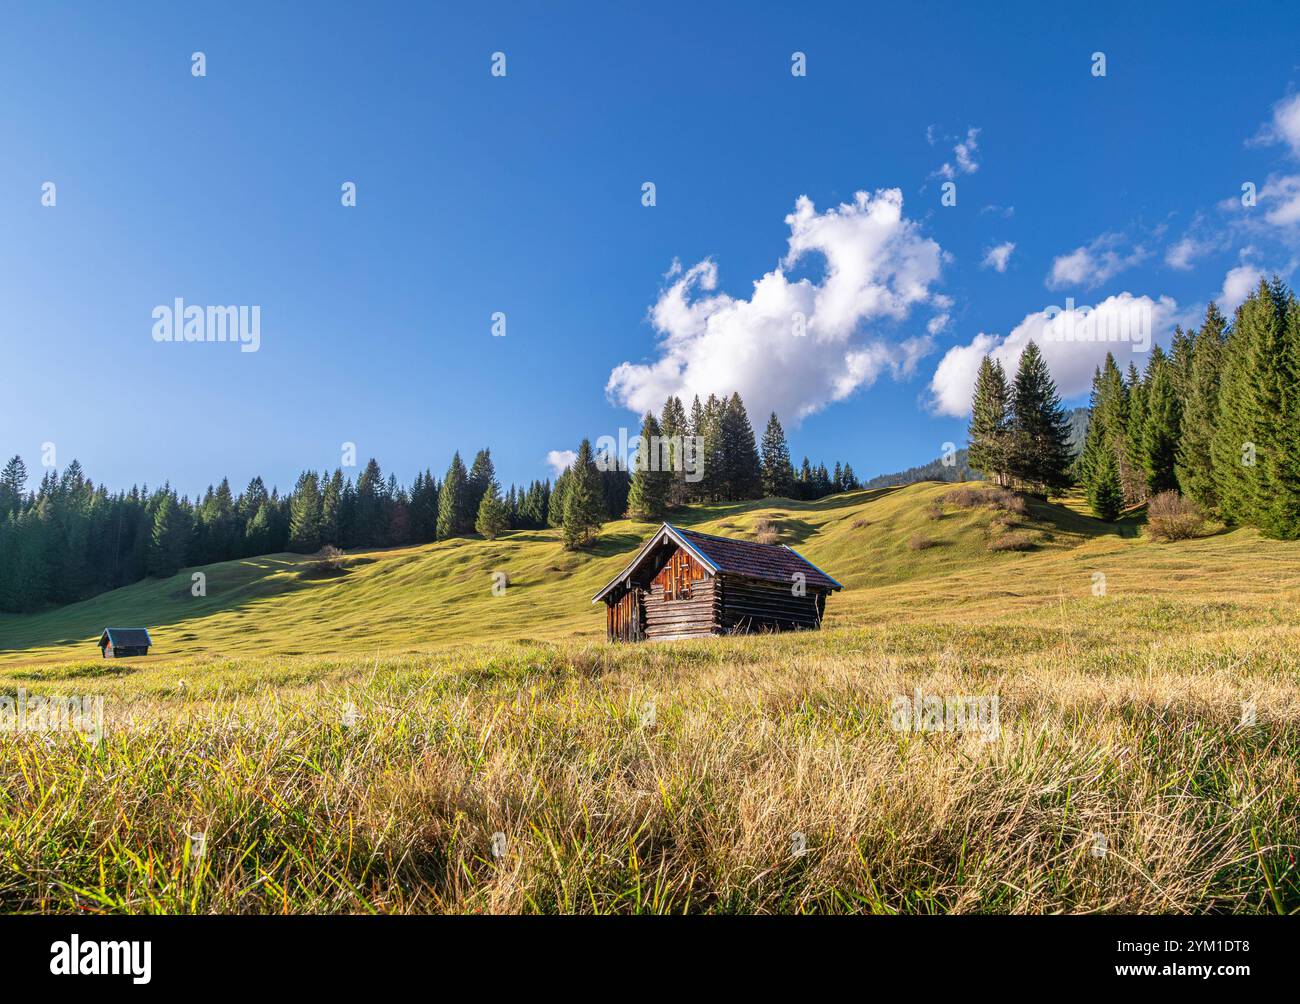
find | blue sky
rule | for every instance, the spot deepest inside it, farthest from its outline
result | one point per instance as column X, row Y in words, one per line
column 523, row 194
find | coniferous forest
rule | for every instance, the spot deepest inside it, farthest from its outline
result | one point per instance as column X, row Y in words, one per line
column 1215, row 421
column 67, row 538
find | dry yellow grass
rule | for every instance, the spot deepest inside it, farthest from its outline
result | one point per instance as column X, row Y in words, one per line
column 757, row 774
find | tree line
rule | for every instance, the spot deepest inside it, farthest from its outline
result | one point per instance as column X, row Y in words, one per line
column 728, row 463
column 1019, row 433
column 1215, row 419
column 70, row 538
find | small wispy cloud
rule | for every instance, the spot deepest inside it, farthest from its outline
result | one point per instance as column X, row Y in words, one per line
column 964, row 154
column 1094, row 263
column 998, row 256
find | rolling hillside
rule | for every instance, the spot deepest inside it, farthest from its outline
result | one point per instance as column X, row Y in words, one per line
column 896, row 554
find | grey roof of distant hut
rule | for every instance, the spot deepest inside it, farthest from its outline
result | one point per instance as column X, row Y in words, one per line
column 125, row 637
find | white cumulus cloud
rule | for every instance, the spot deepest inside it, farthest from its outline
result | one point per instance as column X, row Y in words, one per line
column 1284, row 126
column 1279, row 196
column 1238, row 284
column 560, row 460
column 796, row 345
column 997, row 257
column 1074, row 342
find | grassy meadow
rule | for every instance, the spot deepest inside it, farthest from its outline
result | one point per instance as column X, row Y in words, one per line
column 397, row 738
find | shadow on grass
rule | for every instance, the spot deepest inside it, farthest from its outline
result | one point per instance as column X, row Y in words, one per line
column 237, row 588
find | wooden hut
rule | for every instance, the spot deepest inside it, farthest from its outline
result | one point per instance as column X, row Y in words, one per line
column 118, row 643
column 685, row 584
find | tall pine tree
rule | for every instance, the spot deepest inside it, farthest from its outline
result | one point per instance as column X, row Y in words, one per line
column 583, row 504
column 1194, row 466
column 493, row 518
column 989, row 433
column 305, row 515
column 1160, row 427
column 1040, row 429
column 778, row 474
column 453, row 501
column 648, row 497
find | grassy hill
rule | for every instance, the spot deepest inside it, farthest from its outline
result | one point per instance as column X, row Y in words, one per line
column 419, row 599
column 355, row 743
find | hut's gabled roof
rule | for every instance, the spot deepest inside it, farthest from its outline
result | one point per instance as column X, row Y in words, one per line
column 125, row 637
column 722, row 555
column 766, row 562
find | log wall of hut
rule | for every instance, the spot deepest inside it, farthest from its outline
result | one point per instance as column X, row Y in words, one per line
column 751, row 605
column 682, row 601
column 624, row 618
column 691, row 617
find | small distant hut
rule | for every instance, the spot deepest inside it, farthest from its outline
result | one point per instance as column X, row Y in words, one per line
column 118, row 643
column 685, row 584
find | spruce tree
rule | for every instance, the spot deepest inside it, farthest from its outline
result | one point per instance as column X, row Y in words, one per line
column 1132, row 465
column 453, row 501
column 674, row 426
column 13, row 482
column 821, row 482
column 1103, row 489
column 1094, row 440
column 695, row 490
column 30, row 587
column 989, row 433
column 714, row 482
column 1160, row 428
column 368, row 529
column 804, row 486
column 167, row 540
column 648, row 496
column 397, row 515
column 1040, row 428
column 305, row 515
column 778, row 474
column 424, row 508
column 615, row 484
column 330, row 502
column 258, row 533
column 493, row 518
column 1272, row 411
column 1283, row 515
column 583, row 505
column 1249, row 405
column 559, row 492
column 481, row 474
column 1194, row 466
column 741, row 473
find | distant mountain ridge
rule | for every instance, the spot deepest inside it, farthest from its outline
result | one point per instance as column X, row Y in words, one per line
column 960, row 468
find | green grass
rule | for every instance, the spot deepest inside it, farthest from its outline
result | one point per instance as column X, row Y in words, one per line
column 423, row 599
column 1121, row 715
